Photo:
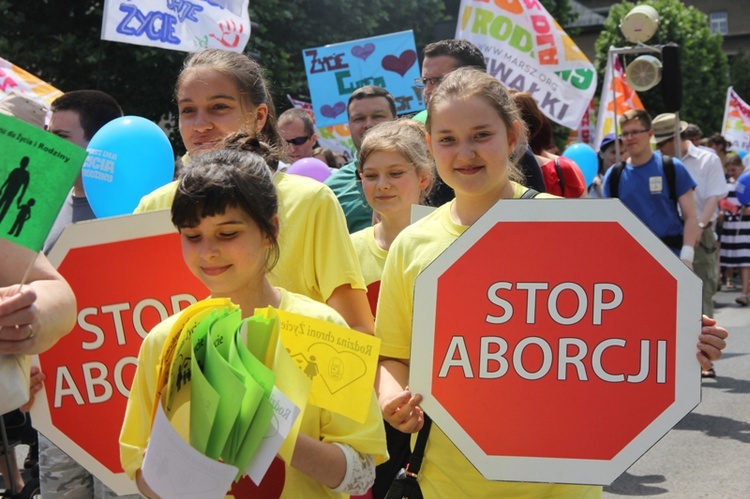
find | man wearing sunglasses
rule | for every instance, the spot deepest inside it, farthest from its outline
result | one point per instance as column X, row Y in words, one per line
column 297, row 129
column 653, row 190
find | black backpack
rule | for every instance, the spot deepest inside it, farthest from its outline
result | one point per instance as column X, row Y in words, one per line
column 674, row 242
column 669, row 172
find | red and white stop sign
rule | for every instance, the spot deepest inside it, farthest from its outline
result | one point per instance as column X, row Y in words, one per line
column 128, row 275
column 554, row 341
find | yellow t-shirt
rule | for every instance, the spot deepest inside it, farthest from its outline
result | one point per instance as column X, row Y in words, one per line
column 316, row 252
column 326, row 426
column 371, row 261
column 445, row 472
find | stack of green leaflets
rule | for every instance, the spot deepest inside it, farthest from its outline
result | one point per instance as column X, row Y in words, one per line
column 220, row 358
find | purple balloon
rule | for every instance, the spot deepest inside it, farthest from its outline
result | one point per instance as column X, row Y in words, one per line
column 310, row 167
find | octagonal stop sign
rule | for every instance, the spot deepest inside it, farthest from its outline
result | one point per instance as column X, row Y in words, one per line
column 128, row 275
column 554, row 341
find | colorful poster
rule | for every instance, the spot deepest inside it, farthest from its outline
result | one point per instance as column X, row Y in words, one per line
column 336, row 138
column 617, row 98
column 585, row 131
column 335, row 71
column 178, row 24
column 527, row 50
column 37, row 172
column 736, row 125
column 14, row 78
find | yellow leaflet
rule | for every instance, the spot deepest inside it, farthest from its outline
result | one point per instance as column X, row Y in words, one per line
column 340, row 362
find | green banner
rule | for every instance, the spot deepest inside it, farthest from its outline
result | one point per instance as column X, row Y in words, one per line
column 37, row 170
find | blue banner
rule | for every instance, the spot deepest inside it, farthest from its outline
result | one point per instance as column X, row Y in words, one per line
column 335, row 71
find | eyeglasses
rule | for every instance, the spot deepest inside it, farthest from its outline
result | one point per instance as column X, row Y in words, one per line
column 298, row 141
column 627, row 135
column 435, row 80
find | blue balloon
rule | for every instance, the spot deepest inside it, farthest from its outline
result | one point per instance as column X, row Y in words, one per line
column 742, row 188
column 586, row 159
column 128, row 158
column 742, row 153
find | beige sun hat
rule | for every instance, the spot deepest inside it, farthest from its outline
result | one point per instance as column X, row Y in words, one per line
column 664, row 126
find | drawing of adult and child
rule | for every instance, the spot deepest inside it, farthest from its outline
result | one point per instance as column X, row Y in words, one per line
column 13, row 189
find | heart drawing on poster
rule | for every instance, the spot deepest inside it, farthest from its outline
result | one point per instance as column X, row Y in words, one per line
column 400, row 64
column 333, row 111
column 363, row 52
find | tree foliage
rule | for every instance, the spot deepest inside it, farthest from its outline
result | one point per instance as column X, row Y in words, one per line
column 704, row 66
column 740, row 74
column 59, row 41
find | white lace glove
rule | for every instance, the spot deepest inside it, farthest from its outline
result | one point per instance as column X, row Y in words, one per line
column 360, row 471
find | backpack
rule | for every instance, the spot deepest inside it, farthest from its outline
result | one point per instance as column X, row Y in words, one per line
column 530, row 194
column 669, row 172
column 674, row 242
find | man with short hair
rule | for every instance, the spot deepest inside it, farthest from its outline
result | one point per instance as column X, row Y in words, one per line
column 644, row 187
column 443, row 57
column 297, row 129
column 76, row 117
column 706, row 170
column 367, row 107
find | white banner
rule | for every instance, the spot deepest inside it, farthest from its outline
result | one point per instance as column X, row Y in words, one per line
column 527, row 50
column 736, row 125
column 178, row 24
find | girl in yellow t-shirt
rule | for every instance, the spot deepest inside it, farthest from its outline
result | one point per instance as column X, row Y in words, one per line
column 225, row 209
column 473, row 133
column 397, row 172
column 219, row 92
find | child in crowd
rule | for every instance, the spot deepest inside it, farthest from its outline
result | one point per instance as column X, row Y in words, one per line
column 474, row 133
column 219, row 92
column 397, row 172
column 225, row 209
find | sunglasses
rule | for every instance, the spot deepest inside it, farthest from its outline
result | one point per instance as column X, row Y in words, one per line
column 298, row 141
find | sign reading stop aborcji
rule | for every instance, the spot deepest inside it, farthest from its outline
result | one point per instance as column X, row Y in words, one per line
column 554, row 341
column 128, row 275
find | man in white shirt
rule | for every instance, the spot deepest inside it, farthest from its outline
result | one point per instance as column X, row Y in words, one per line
column 708, row 173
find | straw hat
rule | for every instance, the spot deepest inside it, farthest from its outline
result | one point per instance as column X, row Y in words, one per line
column 664, row 126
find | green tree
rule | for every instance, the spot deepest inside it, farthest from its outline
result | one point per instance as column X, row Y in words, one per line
column 704, row 66
column 740, row 74
column 60, row 43
column 287, row 27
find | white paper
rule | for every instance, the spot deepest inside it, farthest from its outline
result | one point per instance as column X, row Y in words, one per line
column 285, row 413
column 172, row 468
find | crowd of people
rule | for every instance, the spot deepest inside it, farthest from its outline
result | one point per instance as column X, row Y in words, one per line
column 347, row 252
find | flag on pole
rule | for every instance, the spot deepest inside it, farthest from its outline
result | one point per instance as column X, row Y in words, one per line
column 736, row 125
column 36, row 173
column 585, row 131
column 626, row 99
